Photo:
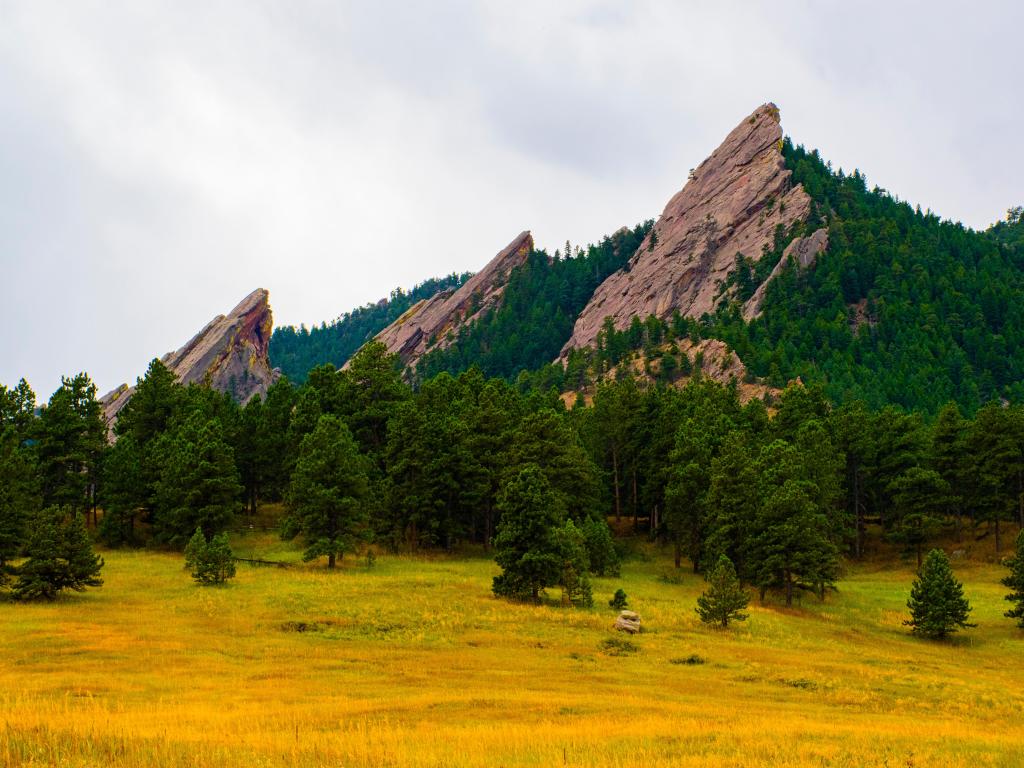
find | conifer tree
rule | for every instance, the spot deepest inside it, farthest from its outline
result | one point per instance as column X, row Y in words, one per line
column 72, row 436
column 328, row 492
column 937, row 603
column 525, row 546
column 1015, row 581
column 60, row 556
column 198, row 483
column 574, row 578
column 725, row 599
column 920, row 496
column 209, row 562
column 19, row 495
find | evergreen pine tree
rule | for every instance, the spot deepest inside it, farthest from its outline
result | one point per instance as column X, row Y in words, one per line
column 209, row 562
column 328, row 492
column 724, row 599
column 60, row 556
column 937, row 603
column 604, row 560
column 574, row 578
column 198, row 483
column 1015, row 581
column 525, row 546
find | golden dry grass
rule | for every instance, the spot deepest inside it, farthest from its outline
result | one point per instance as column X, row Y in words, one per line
column 413, row 663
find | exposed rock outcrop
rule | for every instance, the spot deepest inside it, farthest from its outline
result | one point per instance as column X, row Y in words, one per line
column 628, row 621
column 230, row 353
column 426, row 325
column 804, row 250
column 732, row 204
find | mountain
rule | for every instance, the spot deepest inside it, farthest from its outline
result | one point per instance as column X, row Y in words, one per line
column 734, row 203
column 230, row 352
column 298, row 350
column 801, row 270
column 433, row 323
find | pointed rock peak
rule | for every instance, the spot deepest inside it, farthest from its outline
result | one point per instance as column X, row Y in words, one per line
column 257, row 300
column 432, row 323
column 732, row 203
column 230, row 352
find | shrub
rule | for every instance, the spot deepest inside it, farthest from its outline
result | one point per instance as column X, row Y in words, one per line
column 209, row 562
column 618, row 601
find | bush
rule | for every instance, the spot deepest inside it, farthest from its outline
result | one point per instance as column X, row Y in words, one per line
column 618, row 601
column 209, row 562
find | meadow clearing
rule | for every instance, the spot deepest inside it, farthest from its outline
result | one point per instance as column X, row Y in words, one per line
column 413, row 663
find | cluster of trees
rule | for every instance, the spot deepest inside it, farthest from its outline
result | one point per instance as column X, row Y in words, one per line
column 537, row 313
column 49, row 472
column 296, row 351
column 360, row 454
column 904, row 308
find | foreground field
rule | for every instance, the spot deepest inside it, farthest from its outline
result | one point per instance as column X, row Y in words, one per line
column 413, row 663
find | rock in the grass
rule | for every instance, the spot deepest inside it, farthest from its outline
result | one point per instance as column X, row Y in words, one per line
column 628, row 621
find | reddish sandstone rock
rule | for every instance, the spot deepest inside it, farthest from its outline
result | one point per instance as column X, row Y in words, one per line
column 732, row 204
column 230, row 353
column 426, row 325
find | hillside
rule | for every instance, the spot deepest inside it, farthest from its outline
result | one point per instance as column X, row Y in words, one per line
column 804, row 271
column 298, row 350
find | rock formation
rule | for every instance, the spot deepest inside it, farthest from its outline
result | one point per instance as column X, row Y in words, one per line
column 804, row 250
column 628, row 621
column 230, row 353
column 731, row 204
column 426, row 325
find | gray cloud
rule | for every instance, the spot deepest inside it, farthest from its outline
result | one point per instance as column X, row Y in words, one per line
column 160, row 160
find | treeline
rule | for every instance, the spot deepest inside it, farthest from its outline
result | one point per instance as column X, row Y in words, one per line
column 358, row 455
column 296, row 351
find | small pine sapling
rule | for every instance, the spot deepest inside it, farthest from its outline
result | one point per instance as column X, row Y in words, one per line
column 725, row 599
column 209, row 562
column 937, row 603
column 619, row 600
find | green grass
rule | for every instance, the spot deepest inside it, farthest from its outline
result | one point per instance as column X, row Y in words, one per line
column 413, row 662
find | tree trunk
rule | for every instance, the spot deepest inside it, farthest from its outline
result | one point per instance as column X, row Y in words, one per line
column 919, row 556
column 789, row 588
column 330, row 560
column 998, row 537
column 679, row 555
column 636, row 505
column 615, row 478
column 858, row 516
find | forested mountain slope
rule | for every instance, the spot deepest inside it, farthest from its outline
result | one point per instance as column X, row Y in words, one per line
column 297, row 350
column 802, row 270
column 902, row 308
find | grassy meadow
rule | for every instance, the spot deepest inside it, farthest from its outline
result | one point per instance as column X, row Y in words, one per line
column 413, row 663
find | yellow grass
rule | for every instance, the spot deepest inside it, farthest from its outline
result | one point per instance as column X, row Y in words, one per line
column 414, row 664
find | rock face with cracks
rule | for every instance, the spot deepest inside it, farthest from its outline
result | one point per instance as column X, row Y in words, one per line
column 428, row 323
column 731, row 205
column 230, row 352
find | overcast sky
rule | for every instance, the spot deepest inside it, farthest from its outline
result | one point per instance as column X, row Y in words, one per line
column 158, row 161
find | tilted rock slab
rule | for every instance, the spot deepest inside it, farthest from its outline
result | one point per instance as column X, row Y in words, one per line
column 804, row 251
column 427, row 323
column 230, row 353
column 732, row 204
